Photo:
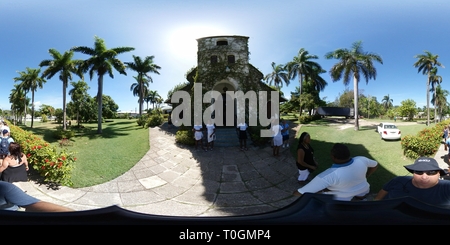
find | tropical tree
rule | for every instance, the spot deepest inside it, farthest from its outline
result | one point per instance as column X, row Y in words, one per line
column 304, row 67
column 153, row 97
column 79, row 96
column 425, row 64
column 387, row 102
column 277, row 76
column 19, row 101
column 30, row 81
column 352, row 64
column 65, row 66
column 143, row 67
column 102, row 61
column 140, row 86
column 439, row 100
column 435, row 80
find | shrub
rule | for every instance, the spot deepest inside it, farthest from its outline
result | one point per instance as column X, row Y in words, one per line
column 185, row 136
column 44, row 118
column 154, row 120
column 424, row 143
column 255, row 135
column 55, row 166
column 63, row 134
column 304, row 119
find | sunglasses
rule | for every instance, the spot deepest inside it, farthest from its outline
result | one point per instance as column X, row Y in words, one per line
column 429, row 173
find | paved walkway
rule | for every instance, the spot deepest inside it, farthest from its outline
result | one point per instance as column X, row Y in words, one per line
column 179, row 181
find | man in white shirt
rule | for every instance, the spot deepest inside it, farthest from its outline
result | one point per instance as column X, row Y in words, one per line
column 345, row 179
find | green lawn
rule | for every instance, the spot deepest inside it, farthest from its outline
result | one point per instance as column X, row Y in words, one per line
column 365, row 142
column 101, row 158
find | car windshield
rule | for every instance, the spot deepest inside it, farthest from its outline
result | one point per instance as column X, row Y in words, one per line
column 390, row 126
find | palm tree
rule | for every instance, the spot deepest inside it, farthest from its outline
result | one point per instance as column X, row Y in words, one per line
column 439, row 99
column 18, row 100
column 65, row 66
column 425, row 63
column 303, row 67
column 30, row 81
column 435, row 80
column 142, row 67
column 141, row 85
column 353, row 63
column 102, row 61
column 79, row 96
column 277, row 76
column 153, row 97
column 387, row 102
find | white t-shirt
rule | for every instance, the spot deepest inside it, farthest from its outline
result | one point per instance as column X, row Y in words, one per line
column 343, row 180
column 242, row 126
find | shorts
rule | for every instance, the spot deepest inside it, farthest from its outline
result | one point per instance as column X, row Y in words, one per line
column 285, row 137
column 242, row 135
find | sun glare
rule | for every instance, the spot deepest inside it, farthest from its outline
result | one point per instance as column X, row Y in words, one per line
column 183, row 40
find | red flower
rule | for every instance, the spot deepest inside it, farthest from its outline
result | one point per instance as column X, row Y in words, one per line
column 60, row 165
column 63, row 158
column 43, row 167
column 28, row 155
column 46, row 160
column 74, row 158
column 39, row 146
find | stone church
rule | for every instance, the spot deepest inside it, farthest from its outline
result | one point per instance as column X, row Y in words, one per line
column 223, row 69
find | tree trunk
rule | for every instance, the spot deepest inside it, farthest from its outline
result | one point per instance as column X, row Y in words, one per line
column 355, row 98
column 100, row 104
column 428, row 100
column 64, row 104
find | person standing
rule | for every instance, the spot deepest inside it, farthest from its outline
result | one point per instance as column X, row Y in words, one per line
column 285, row 133
column 14, row 167
column 424, row 185
column 242, row 134
column 198, row 136
column 346, row 179
column 277, row 138
column 211, row 134
column 5, row 140
column 306, row 162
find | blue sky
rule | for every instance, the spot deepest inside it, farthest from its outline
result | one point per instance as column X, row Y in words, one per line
column 167, row 29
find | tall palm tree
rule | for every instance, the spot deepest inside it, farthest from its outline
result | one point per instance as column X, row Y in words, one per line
column 353, row 63
column 303, row 67
column 440, row 99
column 425, row 63
column 143, row 67
column 277, row 76
column 141, row 85
column 387, row 102
column 435, row 80
column 102, row 61
column 65, row 66
column 79, row 96
column 153, row 97
column 19, row 101
column 30, row 81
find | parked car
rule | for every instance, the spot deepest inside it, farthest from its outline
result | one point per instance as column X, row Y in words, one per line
column 389, row 131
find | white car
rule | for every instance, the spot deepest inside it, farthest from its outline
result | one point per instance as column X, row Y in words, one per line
column 389, row 131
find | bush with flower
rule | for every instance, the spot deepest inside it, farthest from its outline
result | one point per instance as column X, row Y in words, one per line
column 425, row 142
column 55, row 166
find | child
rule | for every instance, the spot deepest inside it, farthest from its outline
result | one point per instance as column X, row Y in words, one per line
column 198, row 136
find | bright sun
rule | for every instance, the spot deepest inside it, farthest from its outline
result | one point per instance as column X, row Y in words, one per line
column 183, row 40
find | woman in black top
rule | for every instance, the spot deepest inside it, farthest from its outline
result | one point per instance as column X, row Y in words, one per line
column 306, row 163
